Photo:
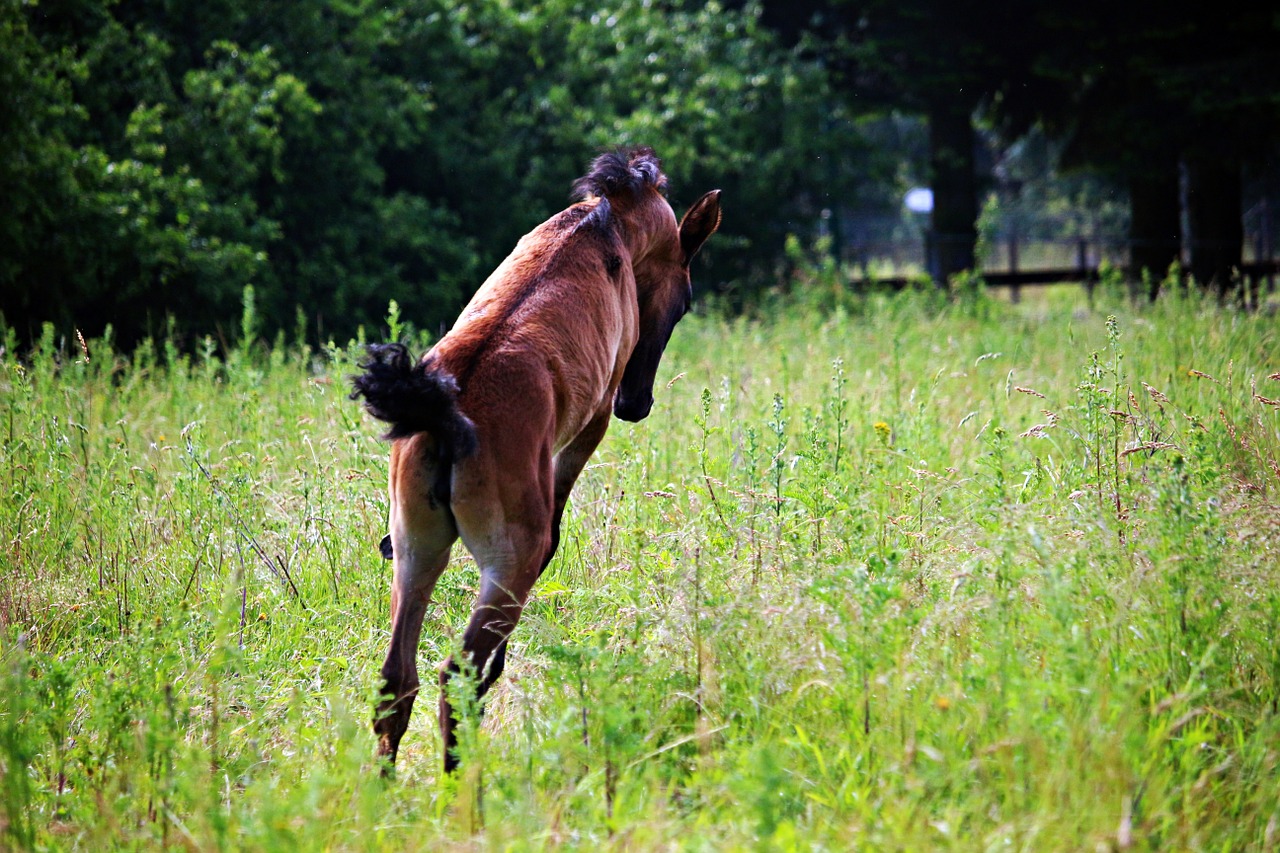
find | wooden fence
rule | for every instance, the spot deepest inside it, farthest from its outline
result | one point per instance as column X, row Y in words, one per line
column 1003, row 267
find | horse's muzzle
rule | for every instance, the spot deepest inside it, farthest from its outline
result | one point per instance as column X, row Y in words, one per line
column 632, row 410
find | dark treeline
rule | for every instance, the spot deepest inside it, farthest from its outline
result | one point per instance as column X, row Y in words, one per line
column 161, row 156
column 1176, row 105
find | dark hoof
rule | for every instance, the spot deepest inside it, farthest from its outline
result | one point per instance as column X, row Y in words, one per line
column 385, row 547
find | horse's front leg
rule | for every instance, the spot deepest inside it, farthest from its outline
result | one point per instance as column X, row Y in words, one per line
column 569, row 463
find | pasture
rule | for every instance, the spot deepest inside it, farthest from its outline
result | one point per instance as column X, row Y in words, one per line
column 877, row 573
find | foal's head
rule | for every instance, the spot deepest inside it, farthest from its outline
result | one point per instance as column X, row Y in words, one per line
column 633, row 184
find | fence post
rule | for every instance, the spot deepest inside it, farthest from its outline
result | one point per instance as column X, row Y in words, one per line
column 1267, row 249
column 932, row 263
column 1015, row 290
column 1082, row 264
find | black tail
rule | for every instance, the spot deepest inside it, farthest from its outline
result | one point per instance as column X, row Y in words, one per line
column 414, row 398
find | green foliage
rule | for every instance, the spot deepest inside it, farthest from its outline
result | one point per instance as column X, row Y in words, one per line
column 902, row 577
column 338, row 156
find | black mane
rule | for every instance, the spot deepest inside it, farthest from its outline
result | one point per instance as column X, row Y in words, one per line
column 625, row 172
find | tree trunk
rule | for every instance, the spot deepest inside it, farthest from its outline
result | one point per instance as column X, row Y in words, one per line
column 1155, row 224
column 955, row 191
column 1214, row 200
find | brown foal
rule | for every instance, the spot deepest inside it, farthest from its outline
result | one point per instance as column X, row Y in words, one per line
column 491, row 428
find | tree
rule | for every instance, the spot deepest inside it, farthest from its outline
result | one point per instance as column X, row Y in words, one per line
column 337, row 156
column 39, row 170
column 1148, row 99
column 941, row 60
column 1223, row 72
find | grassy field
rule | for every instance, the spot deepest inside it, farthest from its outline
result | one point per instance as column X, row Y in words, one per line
column 875, row 574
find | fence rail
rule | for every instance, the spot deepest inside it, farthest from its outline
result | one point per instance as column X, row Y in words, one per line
column 1255, row 272
column 1004, row 266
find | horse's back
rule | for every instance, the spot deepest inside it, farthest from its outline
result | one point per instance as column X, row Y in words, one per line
column 545, row 337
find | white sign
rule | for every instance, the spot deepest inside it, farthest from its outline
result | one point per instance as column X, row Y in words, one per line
column 919, row 200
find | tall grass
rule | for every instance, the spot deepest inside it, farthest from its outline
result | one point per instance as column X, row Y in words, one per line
column 877, row 573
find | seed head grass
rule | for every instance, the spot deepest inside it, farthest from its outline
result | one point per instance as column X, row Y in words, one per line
column 877, row 573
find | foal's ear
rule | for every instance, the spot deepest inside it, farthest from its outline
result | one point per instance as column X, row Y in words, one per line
column 699, row 223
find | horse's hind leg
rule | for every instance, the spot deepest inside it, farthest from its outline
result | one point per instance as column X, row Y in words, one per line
column 484, row 643
column 421, row 535
column 509, row 540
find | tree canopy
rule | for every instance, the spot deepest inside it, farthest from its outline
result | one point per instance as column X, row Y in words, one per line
column 1148, row 97
column 340, row 155
column 162, row 156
